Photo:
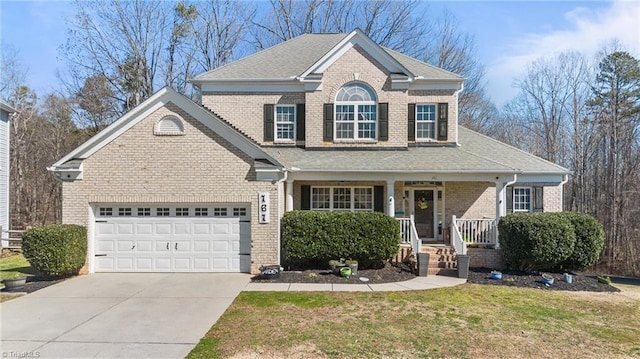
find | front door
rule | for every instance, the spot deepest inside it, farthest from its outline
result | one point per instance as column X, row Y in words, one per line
column 424, row 212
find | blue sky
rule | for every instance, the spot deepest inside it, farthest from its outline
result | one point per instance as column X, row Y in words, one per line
column 509, row 34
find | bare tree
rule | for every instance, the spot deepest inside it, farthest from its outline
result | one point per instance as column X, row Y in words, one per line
column 12, row 72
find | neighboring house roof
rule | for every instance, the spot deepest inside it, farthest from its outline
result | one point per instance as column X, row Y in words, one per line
column 140, row 112
column 4, row 105
column 301, row 55
column 476, row 154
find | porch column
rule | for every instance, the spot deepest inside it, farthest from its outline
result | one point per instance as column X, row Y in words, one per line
column 391, row 207
column 289, row 196
column 501, row 206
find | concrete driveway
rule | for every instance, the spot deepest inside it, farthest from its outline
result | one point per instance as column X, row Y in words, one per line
column 122, row 315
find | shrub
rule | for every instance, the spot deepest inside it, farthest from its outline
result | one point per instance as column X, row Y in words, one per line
column 540, row 241
column 589, row 241
column 312, row 238
column 56, row 250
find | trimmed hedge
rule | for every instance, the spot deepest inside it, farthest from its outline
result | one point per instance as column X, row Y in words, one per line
column 589, row 241
column 536, row 241
column 312, row 238
column 56, row 250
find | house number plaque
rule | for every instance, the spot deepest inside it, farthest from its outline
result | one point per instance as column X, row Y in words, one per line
column 264, row 210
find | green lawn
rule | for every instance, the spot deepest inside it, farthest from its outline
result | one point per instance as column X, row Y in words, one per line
column 15, row 266
column 467, row 321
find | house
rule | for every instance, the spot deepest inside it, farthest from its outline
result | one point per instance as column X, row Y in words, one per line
column 5, row 115
column 320, row 122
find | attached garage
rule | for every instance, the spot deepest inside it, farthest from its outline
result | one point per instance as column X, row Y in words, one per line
column 172, row 238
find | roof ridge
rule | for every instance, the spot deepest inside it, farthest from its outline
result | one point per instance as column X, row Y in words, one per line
column 513, row 147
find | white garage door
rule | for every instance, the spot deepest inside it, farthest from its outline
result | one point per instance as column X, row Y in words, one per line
column 211, row 238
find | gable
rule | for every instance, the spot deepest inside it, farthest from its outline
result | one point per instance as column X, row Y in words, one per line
column 159, row 100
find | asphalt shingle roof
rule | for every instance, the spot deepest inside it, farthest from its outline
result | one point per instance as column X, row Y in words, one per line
column 476, row 154
column 292, row 58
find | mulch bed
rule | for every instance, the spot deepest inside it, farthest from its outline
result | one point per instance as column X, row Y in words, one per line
column 581, row 282
column 33, row 284
column 388, row 274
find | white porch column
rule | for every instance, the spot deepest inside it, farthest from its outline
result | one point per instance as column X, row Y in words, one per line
column 501, row 205
column 391, row 207
column 289, row 195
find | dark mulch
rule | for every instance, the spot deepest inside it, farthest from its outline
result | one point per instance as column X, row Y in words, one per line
column 388, row 274
column 33, row 284
column 581, row 282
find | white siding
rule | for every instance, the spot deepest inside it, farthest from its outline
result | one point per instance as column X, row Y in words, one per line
column 4, row 171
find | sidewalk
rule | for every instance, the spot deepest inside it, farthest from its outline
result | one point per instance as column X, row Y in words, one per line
column 418, row 283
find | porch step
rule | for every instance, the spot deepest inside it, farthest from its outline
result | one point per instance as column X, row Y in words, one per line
column 442, row 260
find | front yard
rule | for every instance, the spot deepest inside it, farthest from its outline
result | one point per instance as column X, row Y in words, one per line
column 468, row 321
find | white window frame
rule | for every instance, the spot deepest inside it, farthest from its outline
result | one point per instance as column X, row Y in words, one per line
column 332, row 194
column 433, row 122
column 357, row 121
column 516, row 201
column 277, row 123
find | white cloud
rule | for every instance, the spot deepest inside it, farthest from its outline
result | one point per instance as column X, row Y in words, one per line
column 587, row 31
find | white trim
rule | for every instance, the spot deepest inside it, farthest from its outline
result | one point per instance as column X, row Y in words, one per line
column 159, row 99
column 352, row 199
column 513, row 199
column 357, row 37
column 435, row 122
column 412, row 205
column 288, row 86
column 91, row 237
column 426, row 84
column 275, row 124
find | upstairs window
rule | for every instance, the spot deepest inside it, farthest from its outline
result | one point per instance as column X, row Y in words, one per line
column 356, row 113
column 285, row 122
column 426, row 121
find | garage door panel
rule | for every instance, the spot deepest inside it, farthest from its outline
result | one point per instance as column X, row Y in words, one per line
column 144, row 228
column 192, row 243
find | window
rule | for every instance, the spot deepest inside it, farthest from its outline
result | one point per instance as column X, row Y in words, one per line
column 182, row 212
column 239, row 211
column 356, row 112
column 144, row 212
column 219, row 212
column 522, row 199
column 106, row 211
column 426, row 121
column 162, row 212
column 285, row 122
column 124, row 212
column 202, row 212
column 342, row 198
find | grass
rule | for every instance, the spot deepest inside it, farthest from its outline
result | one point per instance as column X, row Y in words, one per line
column 15, row 266
column 467, row 321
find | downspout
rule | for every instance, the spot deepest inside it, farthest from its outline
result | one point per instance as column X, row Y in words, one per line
column 280, row 183
column 502, row 199
column 564, row 180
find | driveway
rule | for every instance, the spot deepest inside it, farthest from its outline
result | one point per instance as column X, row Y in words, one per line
column 124, row 315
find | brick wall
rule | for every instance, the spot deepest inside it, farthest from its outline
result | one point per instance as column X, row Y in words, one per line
column 470, row 200
column 198, row 167
column 485, row 258
column 245, row 110
column 552, row 198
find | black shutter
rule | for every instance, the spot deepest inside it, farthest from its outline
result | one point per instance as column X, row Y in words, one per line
column 268, row 122
column 300, row 121
column 328, row 122
column 383, row 122
column 537, row 200
column 305, row 195
column 411, row 115
column 378, row 198
column 443, row 121
column 509, row 191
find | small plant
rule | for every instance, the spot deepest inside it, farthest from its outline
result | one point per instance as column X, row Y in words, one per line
column 313, row 275
column 604, row 279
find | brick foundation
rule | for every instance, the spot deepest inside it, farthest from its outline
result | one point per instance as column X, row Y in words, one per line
column 485, row 258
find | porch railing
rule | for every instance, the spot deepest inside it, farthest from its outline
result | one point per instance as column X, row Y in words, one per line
column 456, row 238
column 409, row 234
column 478, row 231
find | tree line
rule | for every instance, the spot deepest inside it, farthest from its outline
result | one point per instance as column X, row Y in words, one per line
column 579, row 112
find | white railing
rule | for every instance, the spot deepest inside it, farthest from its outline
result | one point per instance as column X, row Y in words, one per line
column 478, row 231
column 456, row 238
column 409, row 234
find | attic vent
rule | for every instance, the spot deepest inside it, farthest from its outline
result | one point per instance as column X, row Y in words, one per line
column 169, row 126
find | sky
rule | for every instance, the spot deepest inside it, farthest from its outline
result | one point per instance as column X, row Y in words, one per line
column 508, row 34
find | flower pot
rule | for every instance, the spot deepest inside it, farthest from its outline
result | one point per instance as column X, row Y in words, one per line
column 14, row 283
column 345, row 272
column 568, row 278
column 547, row 279
column 496, row 275
column 354, row 267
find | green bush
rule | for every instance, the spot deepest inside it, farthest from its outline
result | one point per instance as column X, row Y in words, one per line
column 589, row 241
column 536, row 241
column 312, row 238
column 56, row 250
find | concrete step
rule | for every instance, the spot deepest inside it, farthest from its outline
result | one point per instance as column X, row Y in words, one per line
column 442, row 271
